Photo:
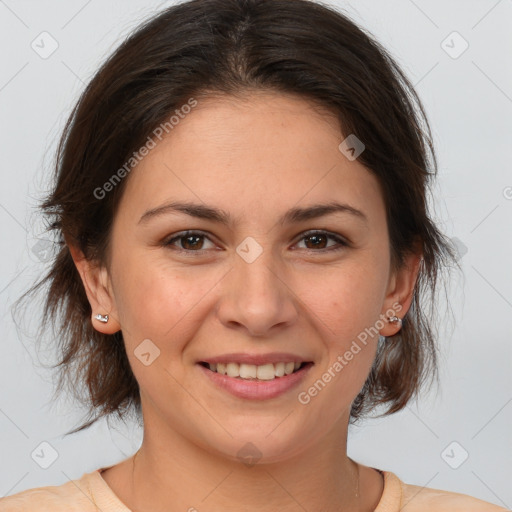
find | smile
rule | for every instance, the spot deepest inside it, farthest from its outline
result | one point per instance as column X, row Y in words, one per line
column 255, row 382
column 254, row 372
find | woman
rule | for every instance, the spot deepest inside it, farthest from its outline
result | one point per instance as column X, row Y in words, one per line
column 241, row 195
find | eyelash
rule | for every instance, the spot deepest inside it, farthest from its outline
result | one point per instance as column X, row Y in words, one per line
column 184, row 234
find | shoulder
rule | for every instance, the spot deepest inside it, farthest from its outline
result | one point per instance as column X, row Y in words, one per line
column 73, row 496
column 425, row 499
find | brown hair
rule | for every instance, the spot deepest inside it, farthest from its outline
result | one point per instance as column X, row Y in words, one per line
column 232, row 46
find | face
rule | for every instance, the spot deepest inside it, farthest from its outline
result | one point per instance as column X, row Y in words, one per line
column 254, row 290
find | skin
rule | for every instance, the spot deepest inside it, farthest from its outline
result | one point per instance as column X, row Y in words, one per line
column 254, row 157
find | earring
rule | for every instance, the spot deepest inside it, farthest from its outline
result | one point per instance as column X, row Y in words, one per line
column 102, row 318
column 395, row 319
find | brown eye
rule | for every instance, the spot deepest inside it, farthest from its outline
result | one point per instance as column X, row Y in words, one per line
column 192, row 242
column 188, row 241
column 317, row 240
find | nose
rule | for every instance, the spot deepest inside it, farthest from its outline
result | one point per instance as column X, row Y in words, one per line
column 257, row 298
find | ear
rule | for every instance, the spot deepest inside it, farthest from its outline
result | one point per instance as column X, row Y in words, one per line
column 400, row 293
column 98, row 288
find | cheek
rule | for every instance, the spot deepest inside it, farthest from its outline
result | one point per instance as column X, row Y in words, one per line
column 346, row 310
column 159, row 301
column 346, row 300
column 156, row 305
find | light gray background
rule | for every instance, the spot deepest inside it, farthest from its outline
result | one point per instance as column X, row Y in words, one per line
column 469, row 103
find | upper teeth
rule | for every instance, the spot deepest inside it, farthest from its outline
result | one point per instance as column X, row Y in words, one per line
column 251, row 371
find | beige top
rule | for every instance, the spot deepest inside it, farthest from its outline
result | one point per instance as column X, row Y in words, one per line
column 91, row 493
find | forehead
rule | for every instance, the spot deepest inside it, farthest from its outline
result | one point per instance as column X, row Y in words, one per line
column 255, row 153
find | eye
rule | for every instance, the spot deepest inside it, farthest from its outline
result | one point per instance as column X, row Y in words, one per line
column 190, row 241
column 317, row 238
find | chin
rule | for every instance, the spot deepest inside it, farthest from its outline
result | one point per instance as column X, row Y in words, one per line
column 262, row 444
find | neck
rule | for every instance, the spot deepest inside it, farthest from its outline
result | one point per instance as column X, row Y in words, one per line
column 169, row 472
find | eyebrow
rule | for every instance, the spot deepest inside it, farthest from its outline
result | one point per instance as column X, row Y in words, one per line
column 294, row 215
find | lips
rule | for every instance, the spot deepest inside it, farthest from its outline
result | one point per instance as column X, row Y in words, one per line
column 266, row 385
